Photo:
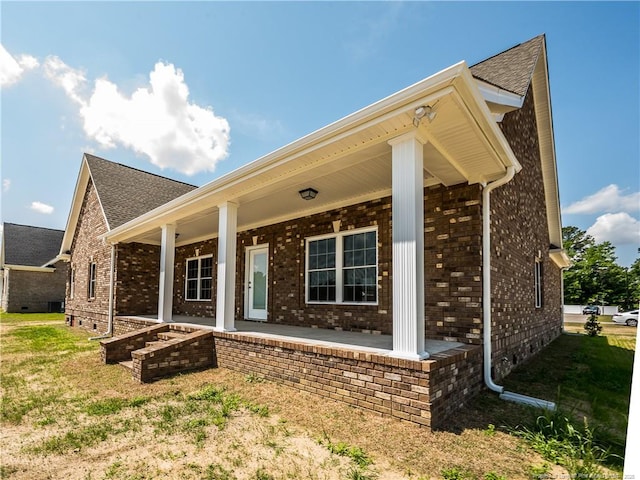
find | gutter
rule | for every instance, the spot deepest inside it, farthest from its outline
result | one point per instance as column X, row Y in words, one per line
column 486, row 300
column 111, row 289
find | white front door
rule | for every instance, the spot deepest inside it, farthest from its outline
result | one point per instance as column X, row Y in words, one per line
column 257, row 283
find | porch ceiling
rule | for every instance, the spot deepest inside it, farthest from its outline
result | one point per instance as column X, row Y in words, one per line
column 347, row 162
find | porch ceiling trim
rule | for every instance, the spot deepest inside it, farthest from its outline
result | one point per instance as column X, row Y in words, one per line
column 381, row 121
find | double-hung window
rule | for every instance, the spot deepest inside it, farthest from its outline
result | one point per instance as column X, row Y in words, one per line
column 343, row 267
column 91, row 285
column 199, row 278
column 538, row 282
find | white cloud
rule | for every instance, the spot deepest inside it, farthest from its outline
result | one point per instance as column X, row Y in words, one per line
column 608, row 199
column 12, row 68
column 6, row 184
column 157, row 120
column 41, row 208
column 71, row 80
column 617, row 228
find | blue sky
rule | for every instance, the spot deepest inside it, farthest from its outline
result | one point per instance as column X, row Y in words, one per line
column 151, row 84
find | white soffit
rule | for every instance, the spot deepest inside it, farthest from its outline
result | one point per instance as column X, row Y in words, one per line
column 348, row 162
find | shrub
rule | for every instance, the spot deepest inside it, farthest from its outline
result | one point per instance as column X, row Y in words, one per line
column 592, row 326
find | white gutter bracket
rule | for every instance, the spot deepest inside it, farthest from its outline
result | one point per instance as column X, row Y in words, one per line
column 486, row 300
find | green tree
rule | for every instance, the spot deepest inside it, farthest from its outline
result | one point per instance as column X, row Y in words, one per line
column 595, row 276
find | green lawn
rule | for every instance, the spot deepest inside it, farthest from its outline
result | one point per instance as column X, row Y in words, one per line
column 66, row 415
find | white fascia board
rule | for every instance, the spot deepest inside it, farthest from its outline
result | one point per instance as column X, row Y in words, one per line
column 457, row 77
column 494, row 94
column 503, row 150
column 560, row 258
column 544, row 119
column 65, row 257
column 314, row 140
column 27, row 268
column 53, row 261
column 76, row 206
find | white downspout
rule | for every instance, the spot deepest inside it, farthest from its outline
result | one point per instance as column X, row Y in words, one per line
column 486, row 298
column 111, row 289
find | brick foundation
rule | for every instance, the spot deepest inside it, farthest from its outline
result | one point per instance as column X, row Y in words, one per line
column 425, row 392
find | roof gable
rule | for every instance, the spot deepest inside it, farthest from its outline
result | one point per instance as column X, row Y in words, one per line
column 126, row 193
column 512, row 69
column 30, row 246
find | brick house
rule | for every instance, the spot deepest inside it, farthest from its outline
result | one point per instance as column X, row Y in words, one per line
column 32, row 279
column 430, row 218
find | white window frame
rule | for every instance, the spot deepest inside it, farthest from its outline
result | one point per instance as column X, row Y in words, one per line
column 91, row 283
column 200, row 278
column 339, row 268
column 537, row 281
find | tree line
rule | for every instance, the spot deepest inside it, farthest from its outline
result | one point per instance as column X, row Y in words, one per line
column 594, row 277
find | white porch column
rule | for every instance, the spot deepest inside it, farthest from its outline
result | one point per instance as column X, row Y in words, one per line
column 407, row 199
column 167, row 257
column 226, row 283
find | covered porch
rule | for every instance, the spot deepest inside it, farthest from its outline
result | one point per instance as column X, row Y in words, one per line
column 379, row 344
column 355, row 368
column 439, row 131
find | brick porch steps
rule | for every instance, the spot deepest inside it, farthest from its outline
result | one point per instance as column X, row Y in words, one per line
column 160, row 350
column 127, row 364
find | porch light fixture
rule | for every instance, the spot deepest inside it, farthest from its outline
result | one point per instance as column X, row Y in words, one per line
column 308, row 193
column 422, row 112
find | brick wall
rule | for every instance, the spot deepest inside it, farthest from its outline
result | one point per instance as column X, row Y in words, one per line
column 137, row 279
column 87, row 247
column 425, row 392
column 32, row 292
column 519, row 235
column 453, row 263
column 195, row 308
column 286, row 300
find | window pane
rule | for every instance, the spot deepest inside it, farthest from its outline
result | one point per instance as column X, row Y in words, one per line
column 192, row 289
column 205, row 289
column 370, row 257
column 206, row 267
column 192, row 268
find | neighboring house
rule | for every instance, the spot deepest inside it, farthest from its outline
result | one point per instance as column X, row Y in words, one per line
column 379, row 222
column 33, row 279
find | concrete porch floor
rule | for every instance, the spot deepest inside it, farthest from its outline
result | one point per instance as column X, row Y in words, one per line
column 380, row 344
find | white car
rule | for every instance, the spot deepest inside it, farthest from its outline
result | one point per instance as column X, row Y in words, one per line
column 628, row 318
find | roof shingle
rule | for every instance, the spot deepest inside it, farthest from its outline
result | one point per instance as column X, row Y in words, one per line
column 126, row 193
column 512, row 69
column 30, row 246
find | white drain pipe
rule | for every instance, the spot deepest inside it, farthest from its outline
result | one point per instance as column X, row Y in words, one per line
column 486, row 299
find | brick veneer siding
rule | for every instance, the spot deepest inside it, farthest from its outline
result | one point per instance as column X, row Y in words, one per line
column 195, row 308
column 196, row 350
column 87, row 247
column 118, row 349
column 137, row 279
column 453, row 288
column 425, row 392
column 286, row 299
column 33, row 292
column 519, row 235
column 453, row 263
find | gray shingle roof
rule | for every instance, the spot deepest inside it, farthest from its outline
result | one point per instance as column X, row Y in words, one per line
column 512, row 69
column 126, row 193
column 30, row 246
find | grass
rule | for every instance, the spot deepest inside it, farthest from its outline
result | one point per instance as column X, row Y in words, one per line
column 66, row 415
